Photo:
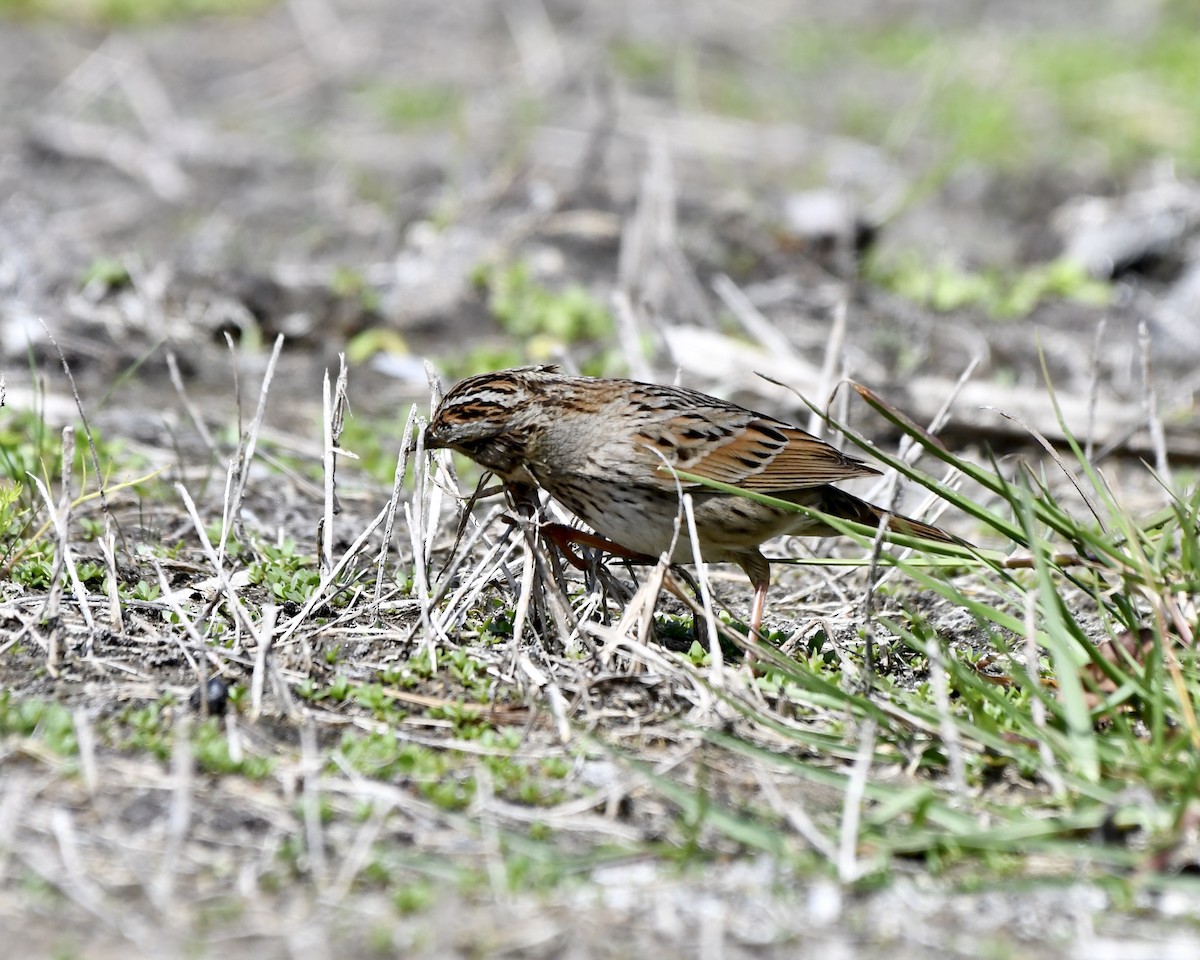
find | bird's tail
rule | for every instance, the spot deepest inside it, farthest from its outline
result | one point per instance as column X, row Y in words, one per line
column 839, row 503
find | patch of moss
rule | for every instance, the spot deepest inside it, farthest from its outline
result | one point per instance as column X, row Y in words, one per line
column 1001, row 295
column 408, row 107
column 125, row 12
column 51, row 723
column 1127, row 96
column 642, row 61
column 1135, row 97
column 547, row 321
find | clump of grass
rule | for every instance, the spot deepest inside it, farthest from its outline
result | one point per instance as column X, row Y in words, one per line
column 1002, row 295
column 546, row 322
column 290, row 575
column 1100, row 731
column 44, row 720
column 32, row 453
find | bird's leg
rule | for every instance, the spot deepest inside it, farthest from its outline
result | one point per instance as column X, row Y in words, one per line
column 758, row 608
column 758, row 569
column 565, row 538
column 524, row 498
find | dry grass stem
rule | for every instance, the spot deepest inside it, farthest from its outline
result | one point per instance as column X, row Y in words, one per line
column 85, row 735
column 630, row 330
column 939, row 683
column 225, row 584
column 456, row 607
column 183, row 791
column 310, row 800
column 248, row 443
column 332, row 423
column 262, row 652
column 542, row 58
column 324, row 591
column 716, row 669
column 87, row 429
column 801, row 822
column 327, row 37
column 760, row 330
column 832, row 360
column 171, row 599
column 406, row 445
column 1158, row 439
column 848, row 867
column 63, row 560
column 524, row 598
column 185, row 401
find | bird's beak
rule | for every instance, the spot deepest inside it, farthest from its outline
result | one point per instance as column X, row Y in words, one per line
column 432, row 440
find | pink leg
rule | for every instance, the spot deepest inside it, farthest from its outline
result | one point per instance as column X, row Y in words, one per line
column 758, row 608
column 565, row 537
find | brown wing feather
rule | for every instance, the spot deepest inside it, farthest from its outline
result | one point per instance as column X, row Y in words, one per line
column 804, row 461
column 756, row 454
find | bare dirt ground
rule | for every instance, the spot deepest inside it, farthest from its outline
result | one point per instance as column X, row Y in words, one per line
column 325, row 170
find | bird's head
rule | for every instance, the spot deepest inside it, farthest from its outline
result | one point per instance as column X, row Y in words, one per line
column 490, row 418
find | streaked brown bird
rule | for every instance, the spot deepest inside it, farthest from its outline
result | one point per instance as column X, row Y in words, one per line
column 605, row 449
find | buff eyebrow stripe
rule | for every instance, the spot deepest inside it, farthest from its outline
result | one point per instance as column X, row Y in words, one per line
column 477, row 407
column 498, row 390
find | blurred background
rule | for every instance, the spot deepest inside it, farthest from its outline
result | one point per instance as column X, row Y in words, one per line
column 892, row 191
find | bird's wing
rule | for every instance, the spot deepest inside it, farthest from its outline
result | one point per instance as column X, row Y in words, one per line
column 751, row 451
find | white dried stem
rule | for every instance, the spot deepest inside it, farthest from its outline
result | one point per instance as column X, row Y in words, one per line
column 185, row 401
column 85, row 737
column 64, row 558
column 235, row 604
column 171, row 598
column 322, row 591
column 526, row 594
column 108, row 547
column 270, row 614
column 847, row 859
column 329, row 468
column 249, row 442
column 406, row 446
column 761, row 330
column 716, row 670
column 795, row 815
column 334, row 408
column 311, row 801
column 179, row 818
column 830, row 363
column 1158, row 439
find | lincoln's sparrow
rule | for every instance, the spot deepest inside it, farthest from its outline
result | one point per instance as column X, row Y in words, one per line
column 605, row 449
